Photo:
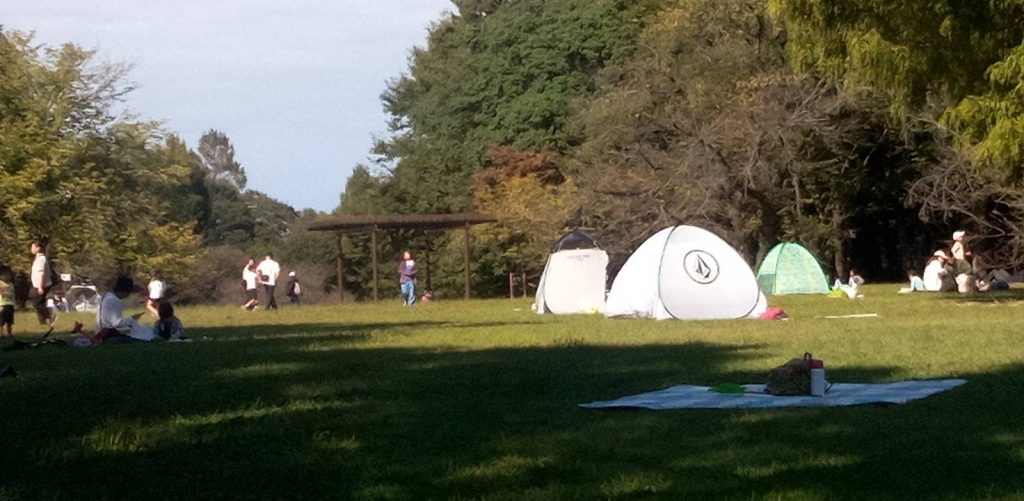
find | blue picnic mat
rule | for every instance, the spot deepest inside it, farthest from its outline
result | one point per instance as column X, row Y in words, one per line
column 687, row 396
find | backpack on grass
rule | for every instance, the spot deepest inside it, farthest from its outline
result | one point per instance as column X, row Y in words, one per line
column 790, row 378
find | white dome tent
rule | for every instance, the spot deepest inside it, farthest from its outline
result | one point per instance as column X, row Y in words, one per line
column 574, row 277
column 687, row 273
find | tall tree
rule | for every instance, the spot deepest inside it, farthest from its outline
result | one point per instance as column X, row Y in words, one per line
column 76, row 173
column 217, row 157
column 956, row 60
column 709, row 126
column 496, row 74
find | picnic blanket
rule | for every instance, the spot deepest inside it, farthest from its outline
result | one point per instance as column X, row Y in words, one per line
column 687, row 396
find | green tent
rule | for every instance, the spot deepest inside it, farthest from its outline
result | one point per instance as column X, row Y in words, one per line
column 791, row 269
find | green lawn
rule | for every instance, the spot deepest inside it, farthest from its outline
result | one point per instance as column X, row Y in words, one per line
column 477, row 400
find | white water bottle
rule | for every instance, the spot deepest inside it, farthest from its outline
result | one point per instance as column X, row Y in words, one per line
column 817, row 378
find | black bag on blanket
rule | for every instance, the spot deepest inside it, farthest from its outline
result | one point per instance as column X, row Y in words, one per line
column 790, row 378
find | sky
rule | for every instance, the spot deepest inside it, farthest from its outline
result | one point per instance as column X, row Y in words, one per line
column 295, row 84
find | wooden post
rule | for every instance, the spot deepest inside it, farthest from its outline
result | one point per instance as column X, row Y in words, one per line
column 376, row 278
column 430, row 285
column 525, row 286
column 511, row 286
column 465, row 259
column 341, row 272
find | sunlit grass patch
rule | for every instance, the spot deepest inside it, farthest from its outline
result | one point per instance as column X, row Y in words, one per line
column 264, row 370
column 633, row 484
column 508, row 467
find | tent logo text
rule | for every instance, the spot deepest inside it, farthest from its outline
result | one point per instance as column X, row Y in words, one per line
column 701, row 266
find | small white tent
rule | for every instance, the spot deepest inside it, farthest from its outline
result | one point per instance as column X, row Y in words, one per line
column 574, row 277
column 687, row 273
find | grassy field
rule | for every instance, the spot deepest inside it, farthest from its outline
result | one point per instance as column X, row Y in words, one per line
column 477, row 400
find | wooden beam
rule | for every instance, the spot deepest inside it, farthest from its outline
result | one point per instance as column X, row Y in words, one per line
column 376, row 277
column 465, row 259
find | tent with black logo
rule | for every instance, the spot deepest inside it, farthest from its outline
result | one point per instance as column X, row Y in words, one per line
column 574, row 277
column 687, row 273
column 789, row 268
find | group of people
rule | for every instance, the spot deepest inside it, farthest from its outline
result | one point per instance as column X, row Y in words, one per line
column 112, row 326
column 266, row 273
column 111, row 323
column 956, row 269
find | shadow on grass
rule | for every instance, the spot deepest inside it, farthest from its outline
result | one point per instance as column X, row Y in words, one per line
column 273, row 421
column 355, row 331
column 993, row 297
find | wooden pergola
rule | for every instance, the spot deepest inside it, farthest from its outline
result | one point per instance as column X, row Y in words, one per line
column 376, row 222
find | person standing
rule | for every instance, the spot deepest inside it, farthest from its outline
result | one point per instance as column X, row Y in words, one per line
column 407, row 271
column 962, row 258
column 249, row 280
column 6, row 301
column 41, row 281
column 156, row 294
column 268, row 270
column 294, row 289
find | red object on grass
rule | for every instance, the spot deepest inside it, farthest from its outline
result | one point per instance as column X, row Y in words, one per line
column 774, row 313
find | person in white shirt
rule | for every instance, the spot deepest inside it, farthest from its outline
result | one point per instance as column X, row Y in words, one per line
column 156, row 294
column 938, row 273
column 110, row 319
column 268, row 270
column 41, row 281
column 249, row 280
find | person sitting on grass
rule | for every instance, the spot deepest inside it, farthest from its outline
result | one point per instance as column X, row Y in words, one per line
column 111, row 324
column 995, row 280
column 916, row 284
column 850, row 288
column 938, row 273
column 168, row 326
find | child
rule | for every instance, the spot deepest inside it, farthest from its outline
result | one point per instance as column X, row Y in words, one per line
column 916, row 284
column 850, row 288
column 168, row 326
column 6, row 302
column 294, row 289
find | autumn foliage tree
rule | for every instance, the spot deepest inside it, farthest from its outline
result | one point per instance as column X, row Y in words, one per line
column 533, row 201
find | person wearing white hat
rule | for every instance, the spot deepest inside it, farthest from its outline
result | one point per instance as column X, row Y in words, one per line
column 294, row 289
column 938, row 274
column 965, row 279
column 960, row 250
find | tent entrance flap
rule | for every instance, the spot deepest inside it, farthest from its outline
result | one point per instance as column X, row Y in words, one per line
column 574, row 277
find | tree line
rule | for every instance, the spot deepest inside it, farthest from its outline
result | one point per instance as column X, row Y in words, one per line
column 866, row 130
column 114, row 194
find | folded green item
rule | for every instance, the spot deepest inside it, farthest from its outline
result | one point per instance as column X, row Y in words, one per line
column 728, row 388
